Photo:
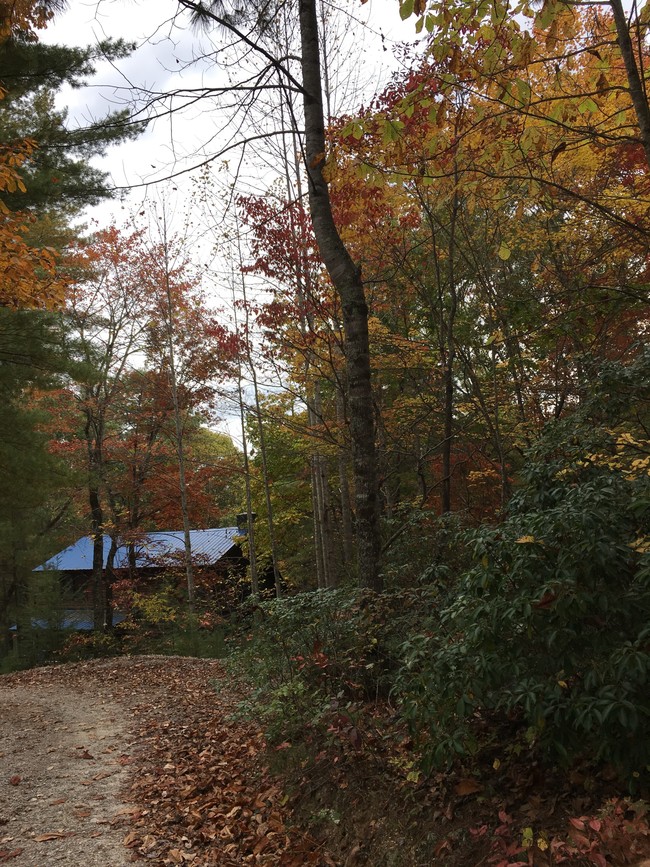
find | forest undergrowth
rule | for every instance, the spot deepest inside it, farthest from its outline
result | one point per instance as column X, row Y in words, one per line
column 490, row 708
column 500, row 695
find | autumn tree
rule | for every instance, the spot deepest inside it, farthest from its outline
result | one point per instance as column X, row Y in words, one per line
column 303, row 343
column 119, row 312
column 343, row 272
column 439, row 178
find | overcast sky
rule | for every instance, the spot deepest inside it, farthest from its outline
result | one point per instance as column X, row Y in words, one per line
column 166, row 59
column 169, row 57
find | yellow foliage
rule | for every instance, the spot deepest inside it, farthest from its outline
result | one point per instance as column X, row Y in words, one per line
column 155, row 608
column 23, row 16
column 28, row 275
column 641, row 545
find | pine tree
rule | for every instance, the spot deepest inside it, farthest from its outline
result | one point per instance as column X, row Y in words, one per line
column 55, row 182
column 33, row 481
column 58, row 176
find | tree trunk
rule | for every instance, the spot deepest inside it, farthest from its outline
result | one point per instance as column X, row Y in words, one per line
column 178, row 427
column 322, row 498
column 260, row 431
column 93, row 431
column 250, row 533
column 635, row 79
column 321, row 581
column 346, row 513
column 346, row 278
column 97, row 576
column 109, row 580
column 450, row 348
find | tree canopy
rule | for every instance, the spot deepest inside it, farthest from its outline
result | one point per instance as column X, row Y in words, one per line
column 433, row 325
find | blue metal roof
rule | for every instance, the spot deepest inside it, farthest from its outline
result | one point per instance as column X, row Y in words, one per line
column 152, row 550
column 79, row 620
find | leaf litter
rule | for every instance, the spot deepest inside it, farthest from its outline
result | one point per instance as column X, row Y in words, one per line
column 195, row 786
column 174, row 778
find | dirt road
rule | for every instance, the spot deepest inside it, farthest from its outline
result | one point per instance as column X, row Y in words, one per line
column 108, row 762
column 62, row 768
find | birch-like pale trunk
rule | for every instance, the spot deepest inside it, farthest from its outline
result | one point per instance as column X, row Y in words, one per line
column 252, row 559
column 260, row 432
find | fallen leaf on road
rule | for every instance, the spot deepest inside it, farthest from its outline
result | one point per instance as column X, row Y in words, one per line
column 52, row 835
column 15, row 780
column 467, row 787
column 131, row 839
column 102, row 775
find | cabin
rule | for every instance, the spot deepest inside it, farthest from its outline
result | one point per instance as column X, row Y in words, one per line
column 217, row 556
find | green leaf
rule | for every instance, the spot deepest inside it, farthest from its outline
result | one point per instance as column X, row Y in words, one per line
column 504, row 252
column 406, row 9
column 392, row 130
column 587, row 105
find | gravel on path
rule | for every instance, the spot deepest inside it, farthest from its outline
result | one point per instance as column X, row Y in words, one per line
column 63, row 761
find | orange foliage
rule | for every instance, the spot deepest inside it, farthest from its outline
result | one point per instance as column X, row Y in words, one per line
column 28, row 276
column 23, row 16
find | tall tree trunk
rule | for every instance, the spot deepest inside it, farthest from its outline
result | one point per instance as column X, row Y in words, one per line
column 304, row 293
column 93, row 431
column 250, row 531
column 109, row 581
column 635, row 76
column 98, row 588
column 178, row 424
column 322, row 498
column 450, row 360
column 252, row 559
column 321, row 578
column 260, row 428
column 326, row 518
column 346, row 512
column 346, row 278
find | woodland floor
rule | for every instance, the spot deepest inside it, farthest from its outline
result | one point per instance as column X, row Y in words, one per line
column 111, row 762
column 106, row 763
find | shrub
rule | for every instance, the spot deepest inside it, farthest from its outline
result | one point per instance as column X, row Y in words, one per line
column 88, row 645
column 313, row 657
column 551, row 625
